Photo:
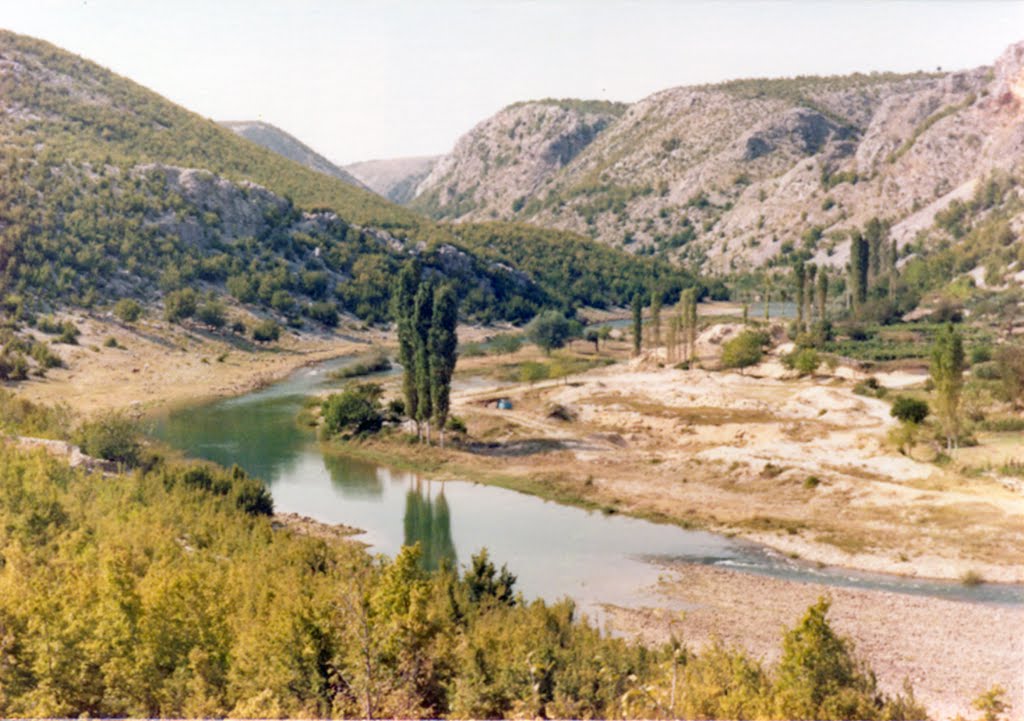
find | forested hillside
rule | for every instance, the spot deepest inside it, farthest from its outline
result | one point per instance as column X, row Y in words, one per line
column 110, row 191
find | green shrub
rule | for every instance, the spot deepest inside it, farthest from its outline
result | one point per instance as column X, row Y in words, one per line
column 112, row 436
column 532, row 371
column 803, row 360
column 909, row 410
column 324, row 313
column 266, row 331
column 45, row 357
column 456, row 424
column 212, row 314
column 179, row 305
column 744, row 350
column 354, row 411
column 127, row 310
column 13, row 366
column 980, row 354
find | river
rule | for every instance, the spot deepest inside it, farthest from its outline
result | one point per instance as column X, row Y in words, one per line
column 555, row 550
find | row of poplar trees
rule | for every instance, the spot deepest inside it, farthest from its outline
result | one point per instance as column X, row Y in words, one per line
column 681, row 342
column 873, row 258
column 426, row 315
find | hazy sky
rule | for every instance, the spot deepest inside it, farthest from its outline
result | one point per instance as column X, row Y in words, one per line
column 382, row 78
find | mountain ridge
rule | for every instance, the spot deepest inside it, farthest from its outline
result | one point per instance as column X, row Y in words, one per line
column 744, row 173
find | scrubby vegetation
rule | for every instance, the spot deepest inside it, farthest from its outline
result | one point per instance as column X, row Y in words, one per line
column 95, row 214
column 169, row 592
column 572, row 269
column 744, row 350
column 376, row 363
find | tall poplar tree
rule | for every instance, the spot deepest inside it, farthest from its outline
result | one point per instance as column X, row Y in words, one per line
column 423, row 316
column 402, row 311
column 638, row 323
column 800, row 284
column 442, row 350
column 894, row 256
column 656, row 317
column 858, row 271
column 812, row 273
column 947, row 371
column 822, row 296
column 874, row 234
column 692, row 322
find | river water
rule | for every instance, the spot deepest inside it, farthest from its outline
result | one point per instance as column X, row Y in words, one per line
column 555, row 550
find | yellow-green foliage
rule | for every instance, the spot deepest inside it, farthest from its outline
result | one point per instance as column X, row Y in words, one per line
column 170, row 592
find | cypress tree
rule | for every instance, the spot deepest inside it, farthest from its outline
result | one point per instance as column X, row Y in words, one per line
column 858, row 271
column 402, row 311
column 822, row 295
column 874, row 233
column 947, row 372
column 812, row 272
column 656, row 317
column 638, row 323
column 691, row 307
column 423, row 310
column 799, row 281
column 443, row 343
column 894, row 256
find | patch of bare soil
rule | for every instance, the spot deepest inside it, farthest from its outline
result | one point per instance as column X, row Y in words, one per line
column 802, row 465
column 950, row 651
column 155, row 364
column 306, row 526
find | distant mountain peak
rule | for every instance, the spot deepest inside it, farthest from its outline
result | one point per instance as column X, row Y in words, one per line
column 285, row 144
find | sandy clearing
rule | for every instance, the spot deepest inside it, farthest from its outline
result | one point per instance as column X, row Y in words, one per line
column 802, row 465
column 157, row 365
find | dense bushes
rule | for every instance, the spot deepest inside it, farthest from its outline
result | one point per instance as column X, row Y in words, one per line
column 168, row 593
column 112, row 436
column 744, row 350
column 571, row 269
column 354, row 411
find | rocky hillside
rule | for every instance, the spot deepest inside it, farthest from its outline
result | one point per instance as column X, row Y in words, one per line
column 508, row 159
column 737, row 174
column 273, row 138
column 394, row 178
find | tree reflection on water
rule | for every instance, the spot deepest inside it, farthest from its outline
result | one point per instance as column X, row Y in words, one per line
column 428, row 522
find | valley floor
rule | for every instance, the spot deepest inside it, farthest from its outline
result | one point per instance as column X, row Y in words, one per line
column 803, row 466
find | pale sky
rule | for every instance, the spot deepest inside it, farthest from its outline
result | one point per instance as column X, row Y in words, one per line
column 361, row 79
